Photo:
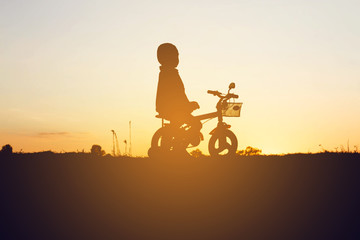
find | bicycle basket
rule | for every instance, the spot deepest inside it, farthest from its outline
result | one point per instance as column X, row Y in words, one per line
column 231, row 109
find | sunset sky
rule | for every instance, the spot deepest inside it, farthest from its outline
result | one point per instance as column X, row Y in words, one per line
column 70, row 71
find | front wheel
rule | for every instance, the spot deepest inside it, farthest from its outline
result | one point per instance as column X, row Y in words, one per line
column 223, row 143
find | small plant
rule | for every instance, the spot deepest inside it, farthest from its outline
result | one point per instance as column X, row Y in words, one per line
column 249, row 151
column 196, row 153
column 356, row 149
column 342, row 148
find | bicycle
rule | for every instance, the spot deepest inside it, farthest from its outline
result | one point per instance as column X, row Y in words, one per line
column 223, row 141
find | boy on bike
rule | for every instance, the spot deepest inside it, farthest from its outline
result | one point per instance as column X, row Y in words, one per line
column 171, row 100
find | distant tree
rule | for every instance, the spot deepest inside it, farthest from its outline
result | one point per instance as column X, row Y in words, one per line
column 249, row 151
column 96, row 150
column 196, row 153
column 6, row 149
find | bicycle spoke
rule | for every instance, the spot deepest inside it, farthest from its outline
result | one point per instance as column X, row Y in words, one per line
column 227, row 146
column 223, row 144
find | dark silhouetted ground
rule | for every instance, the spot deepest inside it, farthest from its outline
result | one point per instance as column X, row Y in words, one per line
column 79, row 196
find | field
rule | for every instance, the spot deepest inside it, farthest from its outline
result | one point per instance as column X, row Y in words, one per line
column 80, row 196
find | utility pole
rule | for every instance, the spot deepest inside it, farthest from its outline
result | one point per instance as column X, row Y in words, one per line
column 125, row 145
column 116, row 149
column 130, row 147
column 113, row 150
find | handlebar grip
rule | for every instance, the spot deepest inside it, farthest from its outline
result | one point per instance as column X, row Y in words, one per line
column 235, row 96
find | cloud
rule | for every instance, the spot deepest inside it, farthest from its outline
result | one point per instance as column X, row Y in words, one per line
column 61, row 134
column 53, row 134
column 50, row 134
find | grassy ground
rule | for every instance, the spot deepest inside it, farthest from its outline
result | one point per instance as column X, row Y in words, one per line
column 78, row 196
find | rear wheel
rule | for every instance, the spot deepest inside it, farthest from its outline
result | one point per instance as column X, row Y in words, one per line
column 223, row 143
column 162, row 140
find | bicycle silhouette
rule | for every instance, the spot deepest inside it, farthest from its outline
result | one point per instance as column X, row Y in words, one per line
column 223, row 141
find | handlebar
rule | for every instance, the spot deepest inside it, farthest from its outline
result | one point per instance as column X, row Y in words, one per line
column 217, row 93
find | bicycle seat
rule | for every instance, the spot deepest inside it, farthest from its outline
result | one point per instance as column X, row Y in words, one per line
column 162, row 117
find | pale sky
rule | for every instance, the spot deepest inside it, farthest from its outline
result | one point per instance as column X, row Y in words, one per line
column 70, row 71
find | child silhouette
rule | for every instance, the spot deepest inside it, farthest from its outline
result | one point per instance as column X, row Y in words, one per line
column 171, row 100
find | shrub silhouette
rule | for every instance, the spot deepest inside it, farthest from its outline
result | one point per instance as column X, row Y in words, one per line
column 249, row 151
column 96, row 150
column 196, row 153
column 6, row 149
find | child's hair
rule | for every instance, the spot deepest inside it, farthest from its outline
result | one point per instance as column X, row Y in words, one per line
column 167, row 54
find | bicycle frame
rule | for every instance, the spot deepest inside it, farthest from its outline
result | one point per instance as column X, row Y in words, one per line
column 218, row 114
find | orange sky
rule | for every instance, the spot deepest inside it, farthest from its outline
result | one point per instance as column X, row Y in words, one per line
column 72, row 71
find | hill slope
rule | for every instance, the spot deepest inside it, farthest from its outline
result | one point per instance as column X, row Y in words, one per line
column 62, row 196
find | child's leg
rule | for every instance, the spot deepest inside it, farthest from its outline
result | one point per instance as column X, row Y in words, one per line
column 188, row 119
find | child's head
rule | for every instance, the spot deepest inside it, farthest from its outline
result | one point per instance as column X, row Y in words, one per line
column 168, row 55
